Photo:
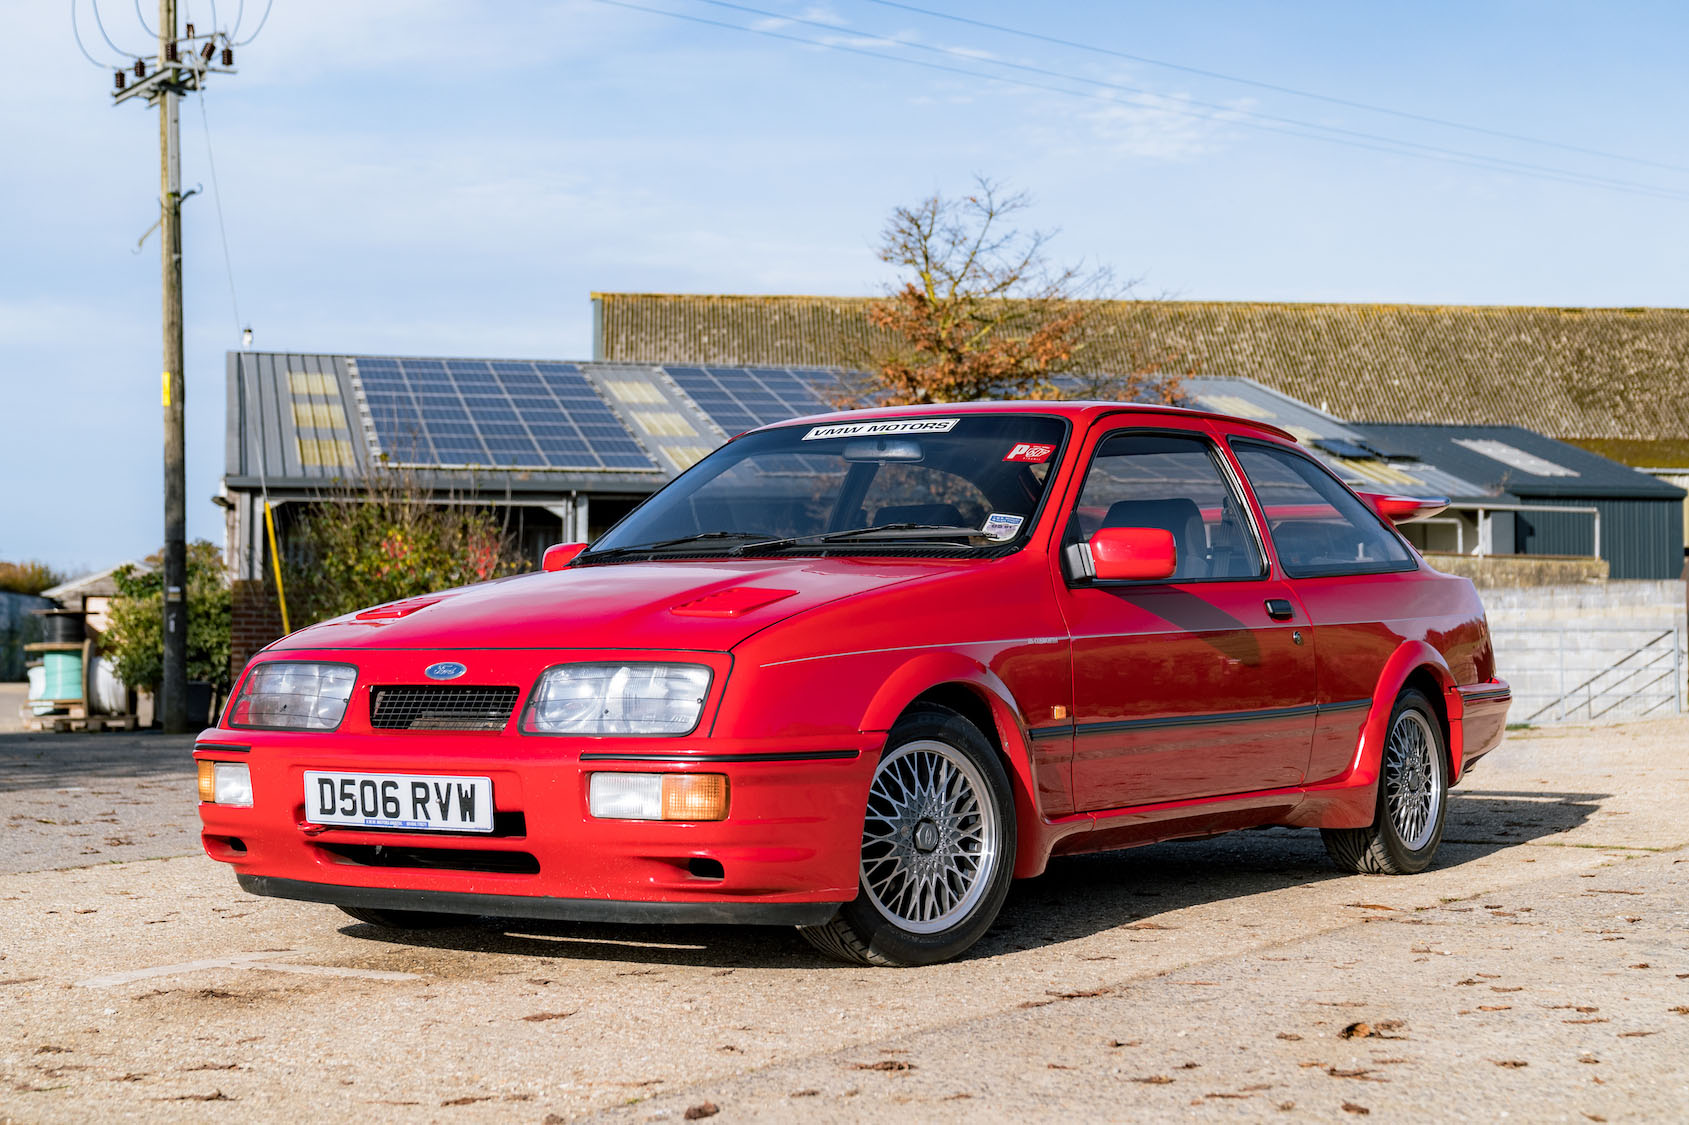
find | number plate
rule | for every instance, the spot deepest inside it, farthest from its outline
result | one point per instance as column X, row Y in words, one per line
column 426, row 803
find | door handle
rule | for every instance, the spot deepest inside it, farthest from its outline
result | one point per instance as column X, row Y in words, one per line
column 1280, row 609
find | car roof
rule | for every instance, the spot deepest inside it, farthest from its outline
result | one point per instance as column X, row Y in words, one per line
column 1077, row 410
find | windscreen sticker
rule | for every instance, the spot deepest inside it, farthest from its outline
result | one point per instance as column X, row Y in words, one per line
column 1000, row 526
column 894, row 426
column 1031, row 454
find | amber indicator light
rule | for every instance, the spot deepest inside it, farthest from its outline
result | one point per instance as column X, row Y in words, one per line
column 207, row 782
column 694, row 796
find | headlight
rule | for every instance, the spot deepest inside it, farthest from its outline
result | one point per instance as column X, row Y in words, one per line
column 294, row 696
column 618, row 699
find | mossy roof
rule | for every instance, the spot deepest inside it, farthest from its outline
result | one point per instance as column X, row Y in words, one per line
column 1618, row 376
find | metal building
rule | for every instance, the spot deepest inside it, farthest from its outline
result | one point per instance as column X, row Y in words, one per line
column 1538, row 496
column 566, row 448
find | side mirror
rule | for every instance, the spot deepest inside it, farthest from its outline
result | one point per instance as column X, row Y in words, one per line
column 1404, row 509
column 1134, row 553
column 560, row 555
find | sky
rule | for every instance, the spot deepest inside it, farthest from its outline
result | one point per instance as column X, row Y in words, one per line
column 451, row 177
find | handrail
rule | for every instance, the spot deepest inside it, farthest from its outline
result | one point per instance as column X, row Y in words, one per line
column 1672, row 633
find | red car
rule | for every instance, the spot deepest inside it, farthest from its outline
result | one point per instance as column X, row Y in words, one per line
column 856, row 672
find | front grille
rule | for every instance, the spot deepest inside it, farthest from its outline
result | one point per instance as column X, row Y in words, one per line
column 441, row 708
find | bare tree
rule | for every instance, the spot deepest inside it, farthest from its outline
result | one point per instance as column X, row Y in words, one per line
column 981, row 312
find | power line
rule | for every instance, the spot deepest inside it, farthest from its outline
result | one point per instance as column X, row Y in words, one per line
column 101, row 24
column 217, row 199
column 1230, row 111
column 261, row 22
column 77, row 33
column 1383, row 144
column 143, row 20
column 1259, row 85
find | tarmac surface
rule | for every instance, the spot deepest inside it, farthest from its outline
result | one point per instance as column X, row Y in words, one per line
column 1538, row 971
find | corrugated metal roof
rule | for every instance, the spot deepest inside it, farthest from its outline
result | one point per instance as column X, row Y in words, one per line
column 1515, row 460
column 1363, row 461
column 1572, row 373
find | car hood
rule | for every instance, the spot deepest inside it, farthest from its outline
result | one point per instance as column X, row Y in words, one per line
column 693, row 605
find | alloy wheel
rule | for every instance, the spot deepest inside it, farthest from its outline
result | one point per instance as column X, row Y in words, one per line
column 1413, row 792
column 930, row 841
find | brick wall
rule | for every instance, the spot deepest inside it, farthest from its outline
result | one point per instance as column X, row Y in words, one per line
column 254, row 621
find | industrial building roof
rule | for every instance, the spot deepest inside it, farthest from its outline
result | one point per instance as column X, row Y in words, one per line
column 1612, row 376
column 311, row 422
column 1519, row 462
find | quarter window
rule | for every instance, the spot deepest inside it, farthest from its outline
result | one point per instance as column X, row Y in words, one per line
column 1173, row 482
column 1318, row 526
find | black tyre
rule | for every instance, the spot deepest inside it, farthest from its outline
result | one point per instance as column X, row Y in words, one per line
column 1413, row 792
column 938, row 847
column 406, row 919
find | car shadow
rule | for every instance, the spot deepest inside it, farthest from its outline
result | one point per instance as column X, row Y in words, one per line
column 1077, row 897
column 59, row 761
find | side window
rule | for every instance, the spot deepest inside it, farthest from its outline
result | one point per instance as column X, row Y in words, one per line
column 1170, row 481
column 1318, row 526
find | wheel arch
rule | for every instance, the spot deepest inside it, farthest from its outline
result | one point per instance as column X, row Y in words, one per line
column 1351, row 801
column 979, row 695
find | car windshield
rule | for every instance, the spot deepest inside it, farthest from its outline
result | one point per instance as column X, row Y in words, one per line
column 967, row 484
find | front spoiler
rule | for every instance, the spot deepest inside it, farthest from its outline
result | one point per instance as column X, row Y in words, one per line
column 553, row 909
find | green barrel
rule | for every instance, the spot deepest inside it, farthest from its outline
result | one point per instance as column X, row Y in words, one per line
column 64, row 675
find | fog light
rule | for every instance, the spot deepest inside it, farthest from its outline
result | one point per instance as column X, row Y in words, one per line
column 658, row 796
column 225, row 783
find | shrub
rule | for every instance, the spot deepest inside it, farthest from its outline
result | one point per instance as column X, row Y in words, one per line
column 386, row 541
column 135, row 639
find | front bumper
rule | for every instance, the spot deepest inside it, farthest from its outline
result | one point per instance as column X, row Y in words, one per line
column 791, row 838
column 553, row 909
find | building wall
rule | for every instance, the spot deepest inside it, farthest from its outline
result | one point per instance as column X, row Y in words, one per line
column 254, row 621
column 17, row 628
column 1597, row 651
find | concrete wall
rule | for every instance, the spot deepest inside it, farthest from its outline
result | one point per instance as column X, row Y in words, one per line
column 1489, row 571
column 1600, row 651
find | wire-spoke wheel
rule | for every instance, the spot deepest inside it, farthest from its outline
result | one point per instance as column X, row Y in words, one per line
column 937, row 847
column 1413, row 787
column 929, row 839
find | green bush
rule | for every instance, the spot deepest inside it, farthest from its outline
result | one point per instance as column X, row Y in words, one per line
column 388, row 541
column 135, row 639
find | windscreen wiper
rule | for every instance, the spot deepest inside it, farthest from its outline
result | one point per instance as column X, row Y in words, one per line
column 661, row 544
column 879, row 531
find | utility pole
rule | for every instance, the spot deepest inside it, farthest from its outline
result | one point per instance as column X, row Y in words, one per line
column 177, row 73
column 173, row 699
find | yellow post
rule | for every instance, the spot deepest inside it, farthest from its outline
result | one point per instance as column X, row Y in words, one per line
column 275, row 561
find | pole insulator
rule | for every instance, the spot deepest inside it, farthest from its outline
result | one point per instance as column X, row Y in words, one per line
column 170, row 53
column 228, row 56
column 118, row 77
column 208, row 50
column 190, row 34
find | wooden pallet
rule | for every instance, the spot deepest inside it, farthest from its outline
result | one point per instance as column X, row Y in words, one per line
column 64, row 724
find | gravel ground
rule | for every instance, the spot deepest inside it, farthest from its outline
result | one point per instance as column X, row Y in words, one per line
column 1539, row 970
column 68, row 800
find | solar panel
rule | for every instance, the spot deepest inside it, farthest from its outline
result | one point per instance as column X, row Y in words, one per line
column 506, row 414
column 743, row 398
